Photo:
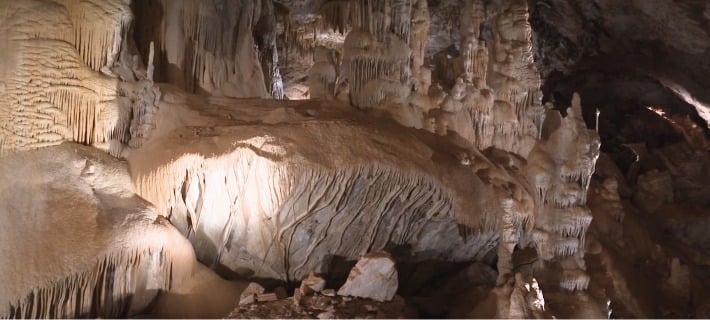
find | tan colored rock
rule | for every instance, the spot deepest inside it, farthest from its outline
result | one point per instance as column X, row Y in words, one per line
column 265, row 297
column 250, row 293
column 68, row 215
column 297, row 296
column 312, row 284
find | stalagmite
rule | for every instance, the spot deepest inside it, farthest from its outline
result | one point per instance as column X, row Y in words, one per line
column 323, row 74
column 417, row 42
column 151, row 57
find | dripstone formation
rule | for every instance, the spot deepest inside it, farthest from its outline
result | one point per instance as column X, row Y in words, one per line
column 426, row 167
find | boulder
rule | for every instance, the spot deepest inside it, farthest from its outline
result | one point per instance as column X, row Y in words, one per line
column 374, row 277
column 250, row 293
column 312, row 284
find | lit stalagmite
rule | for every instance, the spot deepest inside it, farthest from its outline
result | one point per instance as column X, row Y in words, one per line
column 561, row 167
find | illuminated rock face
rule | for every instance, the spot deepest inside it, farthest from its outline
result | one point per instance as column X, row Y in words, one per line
column 77, row 242
column 281, row 188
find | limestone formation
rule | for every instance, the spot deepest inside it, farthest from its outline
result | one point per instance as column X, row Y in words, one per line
column 323, row 75
column 145, row 157
column 217, row 194
column 75, row 237
column 57, row 82
column 208, row 46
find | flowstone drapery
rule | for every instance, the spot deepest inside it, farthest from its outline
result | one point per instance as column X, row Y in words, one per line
column 281, row 189
column 77, row 242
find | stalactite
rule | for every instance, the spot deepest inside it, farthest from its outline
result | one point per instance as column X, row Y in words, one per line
column 105, row 291
column 335, row 15
column 99, row 27
column 574, row 280
column 401, row 18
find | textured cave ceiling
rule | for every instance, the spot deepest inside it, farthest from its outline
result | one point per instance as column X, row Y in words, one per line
column 641, row 53
column 615, row 52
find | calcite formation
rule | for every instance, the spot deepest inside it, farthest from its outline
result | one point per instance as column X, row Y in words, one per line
column 309, row 187
column 77, row 242
column 56, row 80
column 280, row 189
column 208, row 46
column 564, row 163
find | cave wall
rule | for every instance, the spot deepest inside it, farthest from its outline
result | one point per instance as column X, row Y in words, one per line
column 215, row 47
column 626, row 50
column 485, row 162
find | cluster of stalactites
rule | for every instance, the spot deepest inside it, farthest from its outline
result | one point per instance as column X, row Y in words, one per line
column 377, row 51
column 504, row 64
column 61, row 87
column 574, row 280
column 301, row 31
column 380, row 17
column 108, row 290
column 99, row 29
column 492, row 80
column 369, row 61
column 210, row 46
column 562, row 183
column 335, row 15
column 213, row 37
column 301, row 35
